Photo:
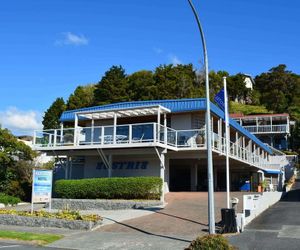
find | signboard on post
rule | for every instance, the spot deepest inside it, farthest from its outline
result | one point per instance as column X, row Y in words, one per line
column 41, row 187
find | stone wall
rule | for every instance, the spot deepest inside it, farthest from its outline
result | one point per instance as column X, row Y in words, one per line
column 8, row 219
column 87, row 204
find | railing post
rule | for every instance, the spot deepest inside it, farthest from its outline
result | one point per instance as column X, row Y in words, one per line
column 176, row 138
column 154, row 132
column 54, row 140
column 102, row 135
column 130, row 134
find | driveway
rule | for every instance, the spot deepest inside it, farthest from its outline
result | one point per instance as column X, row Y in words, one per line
column 174, row 227
column 276, row 228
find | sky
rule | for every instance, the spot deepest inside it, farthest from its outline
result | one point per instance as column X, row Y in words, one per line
column 49, row 47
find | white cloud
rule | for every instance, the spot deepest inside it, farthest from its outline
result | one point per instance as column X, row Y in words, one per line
column 174, row 59
column 157, row 50
column 20, row 121
column 70, row 38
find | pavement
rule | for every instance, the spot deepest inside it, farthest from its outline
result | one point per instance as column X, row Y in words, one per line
column 174, row 227
column 276, row 228
column 14, row 245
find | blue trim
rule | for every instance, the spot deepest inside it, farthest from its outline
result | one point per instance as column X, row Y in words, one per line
column 272, row 171
column 175, row 105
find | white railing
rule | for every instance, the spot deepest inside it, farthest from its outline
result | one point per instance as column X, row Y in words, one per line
column 238, row 152
column 140, row 134
column 122, row 134
column 267, row 129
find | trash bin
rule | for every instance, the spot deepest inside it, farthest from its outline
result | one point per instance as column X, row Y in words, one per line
column 228, row 220
column 245, row 186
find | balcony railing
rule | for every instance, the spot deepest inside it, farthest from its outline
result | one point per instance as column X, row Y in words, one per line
column 141, row 134
column 129, row 134
column 260, row 129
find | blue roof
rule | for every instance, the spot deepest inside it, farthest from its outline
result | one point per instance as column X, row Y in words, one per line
column 272, row 171
column 175, row 105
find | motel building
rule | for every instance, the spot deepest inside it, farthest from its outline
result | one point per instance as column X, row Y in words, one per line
column 164, row 138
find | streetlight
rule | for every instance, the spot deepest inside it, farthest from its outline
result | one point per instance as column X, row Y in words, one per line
column 211, row 207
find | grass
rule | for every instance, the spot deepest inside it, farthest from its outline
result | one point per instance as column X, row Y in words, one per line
column 247, row 109
column 40, row 239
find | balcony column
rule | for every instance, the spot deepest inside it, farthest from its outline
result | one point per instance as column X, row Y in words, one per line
column 92, row 131
column 110, row 160
column 162, row 175
column 244, row 148
column 75, row 129
column 271, row 123
column 61, row 132
column 158, row 125
column 115, row 128
column 165, row 129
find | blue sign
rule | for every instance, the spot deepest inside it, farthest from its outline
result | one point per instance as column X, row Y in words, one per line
column 42, row 185
column 220, row 99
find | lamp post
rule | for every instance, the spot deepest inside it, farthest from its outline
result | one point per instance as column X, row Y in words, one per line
column 211, row 207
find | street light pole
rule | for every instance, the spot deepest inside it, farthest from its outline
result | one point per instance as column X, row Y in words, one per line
column 211, row 206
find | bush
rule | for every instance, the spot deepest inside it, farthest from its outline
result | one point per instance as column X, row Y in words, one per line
column 210, row 242
column 9, row 200
column 110, row 188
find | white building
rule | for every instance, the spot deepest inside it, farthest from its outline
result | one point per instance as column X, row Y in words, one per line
column 163, row 138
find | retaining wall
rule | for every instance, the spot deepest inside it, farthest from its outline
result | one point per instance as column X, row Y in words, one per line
column 16, row 220
column 87, row 204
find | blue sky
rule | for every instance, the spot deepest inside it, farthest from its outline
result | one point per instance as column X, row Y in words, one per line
column 48, row 47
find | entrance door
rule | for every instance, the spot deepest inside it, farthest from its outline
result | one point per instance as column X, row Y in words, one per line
column 180, row 178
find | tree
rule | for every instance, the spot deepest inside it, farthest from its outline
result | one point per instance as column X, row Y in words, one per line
column 82, row 97
column 112, row 88
column 177, row 81
column 15, row 157
column 216, row 82
column 141, row 86
column 277, row 88
column 53, row 113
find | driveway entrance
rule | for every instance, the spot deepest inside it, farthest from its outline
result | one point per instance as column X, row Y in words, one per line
column 185, row 216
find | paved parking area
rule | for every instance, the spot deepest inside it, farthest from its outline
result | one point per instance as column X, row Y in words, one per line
column 18, row 246
column 184, row 215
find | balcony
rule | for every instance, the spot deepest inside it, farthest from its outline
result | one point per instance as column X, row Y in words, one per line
column 268, row 129
column 140, row 135
column 129, row 135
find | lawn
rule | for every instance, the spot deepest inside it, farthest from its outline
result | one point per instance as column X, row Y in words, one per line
column 40, row 239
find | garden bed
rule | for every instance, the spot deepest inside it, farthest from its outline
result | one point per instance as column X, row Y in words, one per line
column 69, row 220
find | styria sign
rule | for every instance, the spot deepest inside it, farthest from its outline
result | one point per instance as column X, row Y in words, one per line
column 130, row 165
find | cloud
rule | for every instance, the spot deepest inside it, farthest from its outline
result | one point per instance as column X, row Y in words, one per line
column 20, row 121
column 174, row 59
column 70, row 38
column 157, row 50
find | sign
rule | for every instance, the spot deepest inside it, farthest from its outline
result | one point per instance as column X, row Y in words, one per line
column 127, row 165
column 41, row 186
column 219, row 99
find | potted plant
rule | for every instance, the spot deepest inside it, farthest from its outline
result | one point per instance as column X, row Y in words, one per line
column 263, row 185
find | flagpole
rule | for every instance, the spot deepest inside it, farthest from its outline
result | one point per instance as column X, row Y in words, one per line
column 227, row 138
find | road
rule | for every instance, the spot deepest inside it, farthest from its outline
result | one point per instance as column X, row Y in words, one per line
column 276, row 228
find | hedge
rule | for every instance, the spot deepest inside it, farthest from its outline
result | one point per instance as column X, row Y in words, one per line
column 9, row 200
column 148, row 188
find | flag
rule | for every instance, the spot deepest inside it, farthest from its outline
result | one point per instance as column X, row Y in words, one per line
column 220, row 99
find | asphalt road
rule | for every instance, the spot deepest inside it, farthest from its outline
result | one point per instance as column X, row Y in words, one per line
column 276, row 228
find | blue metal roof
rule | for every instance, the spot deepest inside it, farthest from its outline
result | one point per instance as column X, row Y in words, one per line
column 175, row 105
column 272, row 171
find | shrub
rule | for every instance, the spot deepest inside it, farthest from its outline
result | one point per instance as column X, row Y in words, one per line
column 8, row 200
column 210, row 242
column 110, row 188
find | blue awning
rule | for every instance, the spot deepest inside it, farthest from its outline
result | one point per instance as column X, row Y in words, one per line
column 272, row 171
